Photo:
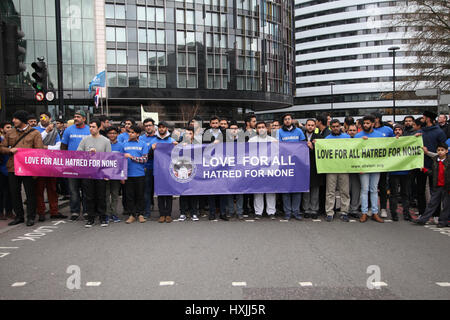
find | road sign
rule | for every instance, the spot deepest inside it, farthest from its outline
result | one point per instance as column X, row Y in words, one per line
column 39, row 96
column 50, row 96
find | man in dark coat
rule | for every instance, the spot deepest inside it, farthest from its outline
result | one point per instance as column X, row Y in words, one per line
column 310, row 203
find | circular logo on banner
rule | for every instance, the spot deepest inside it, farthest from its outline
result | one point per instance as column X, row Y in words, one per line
column 50, row 96
column 182, row 170
column 39, row 96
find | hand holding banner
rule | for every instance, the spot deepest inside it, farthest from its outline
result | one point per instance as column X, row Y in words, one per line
column 371, row 155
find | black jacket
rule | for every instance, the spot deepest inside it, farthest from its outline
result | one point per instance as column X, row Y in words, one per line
column 435, row 172
column 316, row 180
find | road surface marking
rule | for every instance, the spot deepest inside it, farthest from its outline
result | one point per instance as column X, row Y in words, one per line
column 305, row 284
column 18, row 284
column 93, row 284
column 9, row 247
column 379, row 284
column 166, row 283
column 239, row 284
column 443, row 284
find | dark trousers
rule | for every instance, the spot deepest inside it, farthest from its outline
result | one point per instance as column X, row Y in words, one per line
column 62, row 186
column 248, row 204
column 165, row 206
column 382, row 187
column 95, row 194
column 189, row 204
column 48, row 183
column 77, row 196
column 5, row 195
column 149, row 189
column 135, row 202
column 421, row 199
column 438, row 195
column 222, row 200
column 399, row 187
column 15, row 185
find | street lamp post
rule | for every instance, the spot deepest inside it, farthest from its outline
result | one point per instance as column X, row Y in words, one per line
column 332, row 96
column 393, row 49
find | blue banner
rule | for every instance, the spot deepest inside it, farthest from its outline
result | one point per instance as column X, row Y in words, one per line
column 231, row 168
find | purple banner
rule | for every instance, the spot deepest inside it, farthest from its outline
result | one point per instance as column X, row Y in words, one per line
column 70, row 164
column 231, row 168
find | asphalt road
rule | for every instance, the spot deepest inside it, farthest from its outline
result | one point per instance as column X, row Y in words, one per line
column 225, row 260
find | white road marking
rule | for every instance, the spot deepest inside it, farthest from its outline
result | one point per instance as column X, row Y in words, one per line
column 9, row 247
column 93, row 284
column 379, row 284
column 166, row 283
column 239, row 284
column 305, row 284
column 443, row 284
column 18, row 284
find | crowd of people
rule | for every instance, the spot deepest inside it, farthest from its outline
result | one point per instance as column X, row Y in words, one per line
column 361, row 195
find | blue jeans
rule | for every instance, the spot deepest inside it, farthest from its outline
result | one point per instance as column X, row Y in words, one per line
column 291, row 204
column 239, row 204
column 76, row 196
column 369, row 183
column 149, row 190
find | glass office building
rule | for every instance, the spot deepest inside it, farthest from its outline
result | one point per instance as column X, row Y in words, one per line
column 37, row 20
column 176, row 58
column 346, row 42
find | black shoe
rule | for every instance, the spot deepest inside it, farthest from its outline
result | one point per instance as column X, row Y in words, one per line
column 74, row 217
column 223, row 217
column 418, row 222
column 314, row 216
column 90, row 223
column 394, row 217
column 41, row 218
column 58, row 216
column 307, row 216
column 212, row 218
column 16, row 221
column 30, row 223
column 441, row 225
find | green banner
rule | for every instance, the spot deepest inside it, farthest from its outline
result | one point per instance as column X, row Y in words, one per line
column 371, row 155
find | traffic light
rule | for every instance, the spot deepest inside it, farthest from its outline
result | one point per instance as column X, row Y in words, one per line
column 13, row 52
column 39, row 75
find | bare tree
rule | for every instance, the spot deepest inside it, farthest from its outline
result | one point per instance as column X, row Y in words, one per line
column 428, row 22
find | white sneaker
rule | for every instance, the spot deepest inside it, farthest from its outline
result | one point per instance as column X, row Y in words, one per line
column 436, row 220
column 383, row 213
column 182, row 218
column 194, row 218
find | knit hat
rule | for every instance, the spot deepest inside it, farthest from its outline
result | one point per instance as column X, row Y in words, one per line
column 21, row 115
